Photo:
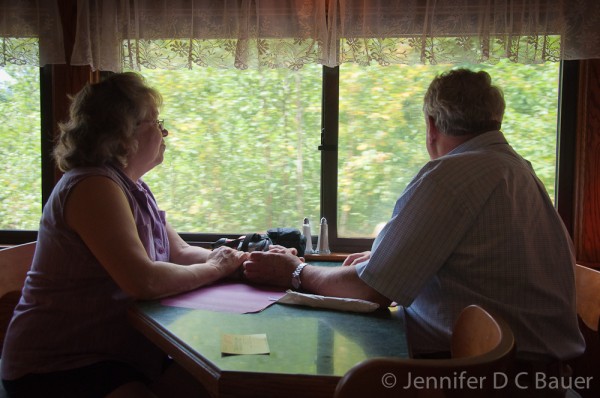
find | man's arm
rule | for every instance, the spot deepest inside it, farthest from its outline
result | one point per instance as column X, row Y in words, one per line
column 277, row 268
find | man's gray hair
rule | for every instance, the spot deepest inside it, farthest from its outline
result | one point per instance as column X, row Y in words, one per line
column 464, row 102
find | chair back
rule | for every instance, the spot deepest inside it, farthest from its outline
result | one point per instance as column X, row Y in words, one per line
column 475, row 333
column 14, row 263
column 481, row 344
column 587, row 288
column 587, row 366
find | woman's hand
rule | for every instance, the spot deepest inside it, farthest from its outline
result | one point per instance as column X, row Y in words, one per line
column 356, row 258
column 226, row 260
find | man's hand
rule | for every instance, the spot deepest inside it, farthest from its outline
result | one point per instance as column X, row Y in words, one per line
column 274, row 267
column 283, row 249
column 356, row 258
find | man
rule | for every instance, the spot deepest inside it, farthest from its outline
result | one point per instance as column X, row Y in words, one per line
column 475, row 226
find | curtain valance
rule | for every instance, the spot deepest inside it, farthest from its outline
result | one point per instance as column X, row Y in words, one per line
column 171, row 34
column 30, row 33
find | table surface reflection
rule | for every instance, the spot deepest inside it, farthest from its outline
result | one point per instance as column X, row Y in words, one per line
column 310, row 349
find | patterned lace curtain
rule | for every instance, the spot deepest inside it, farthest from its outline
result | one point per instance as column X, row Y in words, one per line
column 458, row 31
column 30, row 33
column 171, row 34
column 174, row 34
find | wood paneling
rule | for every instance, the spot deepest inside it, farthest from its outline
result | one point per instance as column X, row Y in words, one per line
column 587, row 200
column 65, row 80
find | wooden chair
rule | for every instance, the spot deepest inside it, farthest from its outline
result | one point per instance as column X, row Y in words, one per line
column 481, row 345
column 587, row 288
column 14, row 263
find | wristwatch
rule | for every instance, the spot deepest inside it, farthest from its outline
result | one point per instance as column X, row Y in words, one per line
column 296, row 276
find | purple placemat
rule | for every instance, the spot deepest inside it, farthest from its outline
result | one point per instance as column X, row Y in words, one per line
column 234, row 297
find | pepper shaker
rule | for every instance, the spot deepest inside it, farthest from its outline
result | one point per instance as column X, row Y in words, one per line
column 323, row 242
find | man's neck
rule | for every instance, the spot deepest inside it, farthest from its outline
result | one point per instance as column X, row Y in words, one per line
column 447, row 143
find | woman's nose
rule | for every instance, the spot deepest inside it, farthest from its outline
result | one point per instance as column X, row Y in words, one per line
column 165, row 132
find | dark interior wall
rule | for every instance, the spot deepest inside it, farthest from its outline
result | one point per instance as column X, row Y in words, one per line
column 587, row 177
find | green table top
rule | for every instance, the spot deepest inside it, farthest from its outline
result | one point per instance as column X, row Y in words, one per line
column 302, row 341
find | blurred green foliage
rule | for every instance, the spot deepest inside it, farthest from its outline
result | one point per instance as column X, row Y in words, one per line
column 242, row 146
column 20, row 151
column 382, row 131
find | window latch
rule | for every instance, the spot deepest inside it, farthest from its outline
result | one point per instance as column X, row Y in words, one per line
column 323, row 146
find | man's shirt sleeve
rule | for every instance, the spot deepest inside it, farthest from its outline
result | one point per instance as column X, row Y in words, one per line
column 428, row 222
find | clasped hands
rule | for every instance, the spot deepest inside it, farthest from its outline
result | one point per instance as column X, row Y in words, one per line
column 275, row 267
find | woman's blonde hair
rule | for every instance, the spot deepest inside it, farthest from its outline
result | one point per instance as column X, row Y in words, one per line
column 103, row 118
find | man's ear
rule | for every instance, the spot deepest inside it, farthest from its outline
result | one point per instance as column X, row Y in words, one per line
column 432, row 130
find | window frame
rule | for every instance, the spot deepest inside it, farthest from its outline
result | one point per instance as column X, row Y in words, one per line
column 565, row 169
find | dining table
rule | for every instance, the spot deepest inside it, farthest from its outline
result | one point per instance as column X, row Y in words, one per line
column 309, row 348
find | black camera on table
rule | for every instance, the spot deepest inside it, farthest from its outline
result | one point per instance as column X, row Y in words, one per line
column 286, row 237
column 248, row 243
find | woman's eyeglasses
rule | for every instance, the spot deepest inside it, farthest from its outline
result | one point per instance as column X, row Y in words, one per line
column 159, row 122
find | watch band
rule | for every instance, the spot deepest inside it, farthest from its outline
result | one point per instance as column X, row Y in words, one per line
column 296, row 276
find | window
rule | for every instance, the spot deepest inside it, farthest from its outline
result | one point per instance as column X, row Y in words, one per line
column 20, row 196
column 242, row 148
column 382, row 132
column 242, row 152
column 31, row 36
column 246, row 162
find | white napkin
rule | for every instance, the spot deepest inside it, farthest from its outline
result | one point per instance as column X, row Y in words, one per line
column 333, row 303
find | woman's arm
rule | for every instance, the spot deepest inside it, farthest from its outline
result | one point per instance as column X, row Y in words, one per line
column 182, row 252
column 99, row 212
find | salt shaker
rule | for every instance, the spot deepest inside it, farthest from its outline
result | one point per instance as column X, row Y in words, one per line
column 323, row 242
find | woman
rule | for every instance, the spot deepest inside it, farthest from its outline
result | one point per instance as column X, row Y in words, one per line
column 102, row 243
